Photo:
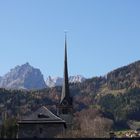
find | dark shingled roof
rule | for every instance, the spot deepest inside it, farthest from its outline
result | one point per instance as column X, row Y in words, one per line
column 42, row 115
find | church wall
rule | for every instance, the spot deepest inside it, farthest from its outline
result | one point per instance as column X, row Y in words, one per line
column 40, row 130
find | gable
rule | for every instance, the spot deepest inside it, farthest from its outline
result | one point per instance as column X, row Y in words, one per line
column 42, row 114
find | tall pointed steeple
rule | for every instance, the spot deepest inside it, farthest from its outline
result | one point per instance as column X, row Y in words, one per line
column 65, row 107
column 65, row 96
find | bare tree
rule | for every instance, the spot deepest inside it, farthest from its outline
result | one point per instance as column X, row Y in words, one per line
column 90, row 124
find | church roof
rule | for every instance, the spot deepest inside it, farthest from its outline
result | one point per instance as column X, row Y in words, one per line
column 42, row 115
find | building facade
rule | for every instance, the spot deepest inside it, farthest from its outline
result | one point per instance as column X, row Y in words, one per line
column 41, row 124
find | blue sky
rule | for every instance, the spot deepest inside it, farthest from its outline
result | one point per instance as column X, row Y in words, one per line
column 102, row 35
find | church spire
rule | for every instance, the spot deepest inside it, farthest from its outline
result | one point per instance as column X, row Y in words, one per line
column 65, row 89
column 65, row 107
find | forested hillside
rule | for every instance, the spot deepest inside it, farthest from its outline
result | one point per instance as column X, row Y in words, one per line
column 114, row 99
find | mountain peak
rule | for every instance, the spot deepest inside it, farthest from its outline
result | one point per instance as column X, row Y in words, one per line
column 23, row 77
column 58, row 81
column 27, row 64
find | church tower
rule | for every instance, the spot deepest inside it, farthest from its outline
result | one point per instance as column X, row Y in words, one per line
column 65, row 107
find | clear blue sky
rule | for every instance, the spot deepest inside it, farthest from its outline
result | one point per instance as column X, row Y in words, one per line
column 102, row 35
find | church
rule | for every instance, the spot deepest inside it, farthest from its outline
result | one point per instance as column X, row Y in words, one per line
column 43, row 123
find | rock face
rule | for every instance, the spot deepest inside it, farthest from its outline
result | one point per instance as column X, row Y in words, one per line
column 58, row 81
column 54, row 81
column 23, row 77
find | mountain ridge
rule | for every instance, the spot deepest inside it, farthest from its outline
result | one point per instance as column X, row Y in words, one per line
column 27, row 77
column 58, row 81
column 117, row 79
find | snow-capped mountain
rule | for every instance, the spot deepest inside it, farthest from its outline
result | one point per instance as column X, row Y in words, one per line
column 54, row 81
column 28, row 77
column 76, row 79
column 23, row 77
column 58, row 81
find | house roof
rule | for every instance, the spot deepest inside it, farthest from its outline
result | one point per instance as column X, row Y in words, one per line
column 42, row 115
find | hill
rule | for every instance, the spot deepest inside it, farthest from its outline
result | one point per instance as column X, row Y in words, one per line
column 115, row 96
